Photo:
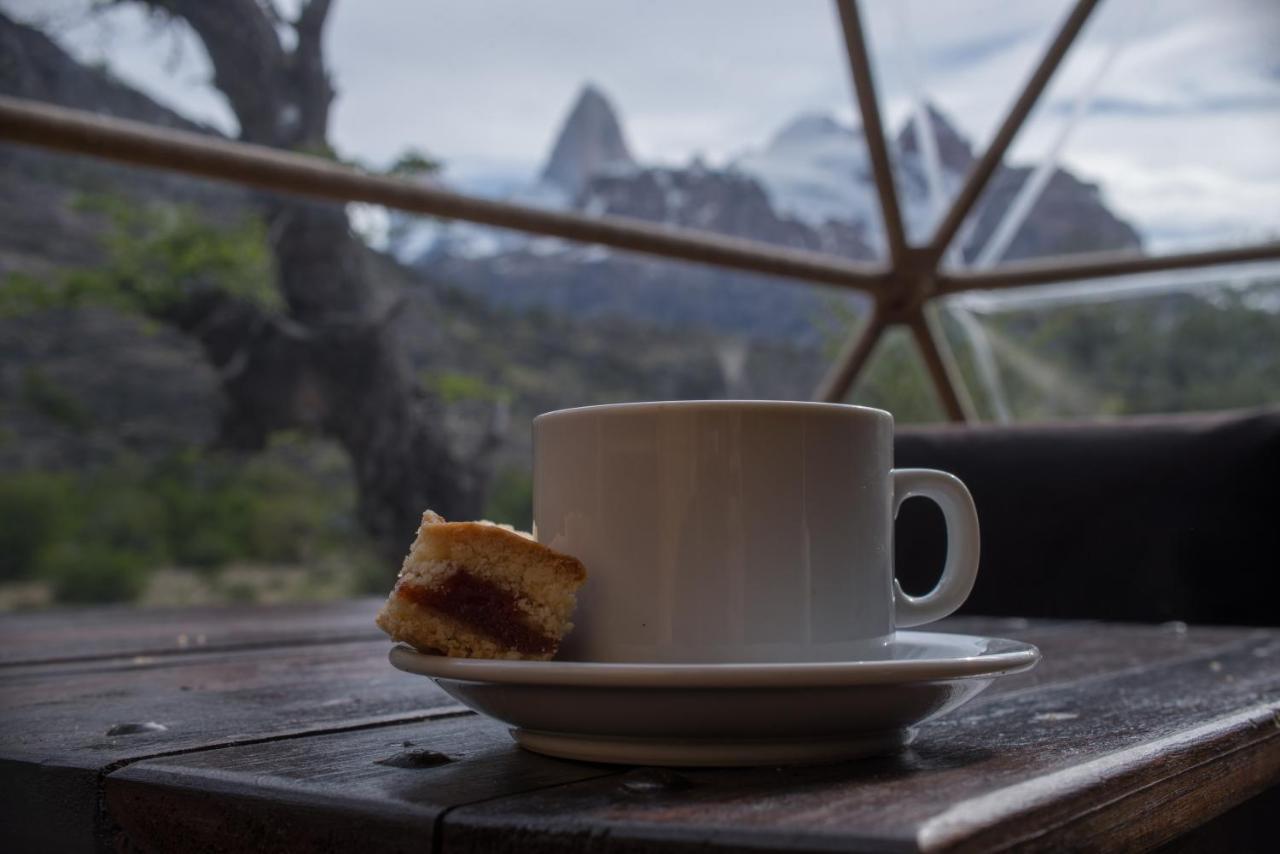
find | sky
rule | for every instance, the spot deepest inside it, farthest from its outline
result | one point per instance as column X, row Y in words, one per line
column 1181, row 132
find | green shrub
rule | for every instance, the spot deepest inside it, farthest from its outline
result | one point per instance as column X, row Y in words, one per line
column 155, row 255
column 454, row 387
column 207, row 549
column 119, row 515
column 290, row 505
column 414, row 162
column 94, row 572
column 35, row 512
column 285, row 528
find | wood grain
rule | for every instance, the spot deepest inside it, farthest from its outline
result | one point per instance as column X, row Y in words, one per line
column 1129, row 758
column 85, row 634
column 61, row 726
column 1082, row 650
column 380, row 789
column 311, row 789
column 1125, row 736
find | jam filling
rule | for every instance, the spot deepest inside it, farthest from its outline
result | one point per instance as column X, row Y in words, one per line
column 483, row 607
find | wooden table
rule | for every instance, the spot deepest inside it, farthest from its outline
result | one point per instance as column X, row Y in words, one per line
column 221, row 730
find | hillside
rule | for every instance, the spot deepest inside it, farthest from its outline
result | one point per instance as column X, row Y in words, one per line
column 141, row 388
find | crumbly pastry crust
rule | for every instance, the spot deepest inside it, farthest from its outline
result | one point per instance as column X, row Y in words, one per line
column 528, row 582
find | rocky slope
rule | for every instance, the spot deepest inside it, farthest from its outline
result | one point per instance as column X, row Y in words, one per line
column 39, row 219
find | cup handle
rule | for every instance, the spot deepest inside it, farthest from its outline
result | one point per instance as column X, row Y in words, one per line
column 961, row 567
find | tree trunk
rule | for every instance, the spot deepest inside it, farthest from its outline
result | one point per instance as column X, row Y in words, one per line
column 330, row 363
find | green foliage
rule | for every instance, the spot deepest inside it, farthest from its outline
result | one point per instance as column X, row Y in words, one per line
column 413, row 162
column 94, row 573
column 1168, row 353
column 155, row 257
column 454, row 387
column 1210, row 349
column 23, row 294
column 34, row 512
column 97, row 536
column 90, row 543
column 511, row 499
column 894, row 379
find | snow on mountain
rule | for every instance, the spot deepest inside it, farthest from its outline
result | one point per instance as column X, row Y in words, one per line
column 815, row 170
column 910, row 152
column 810, row 187
column 591, row 143
column 414, row 239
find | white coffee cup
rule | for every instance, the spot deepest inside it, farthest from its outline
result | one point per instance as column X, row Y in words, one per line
column 738, row 531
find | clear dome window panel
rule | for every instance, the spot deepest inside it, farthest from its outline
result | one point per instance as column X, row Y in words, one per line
column 105, row 55
column 651, row 109
column 129, row 302
column 1161, row 342
column 895, row 378
column 1156, row 136
column 628, row 326
column 655, row 111
column 947, row 73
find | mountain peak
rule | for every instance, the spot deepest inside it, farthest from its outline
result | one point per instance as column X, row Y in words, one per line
column 590, row 141
column 953, row 149
column 808, row 128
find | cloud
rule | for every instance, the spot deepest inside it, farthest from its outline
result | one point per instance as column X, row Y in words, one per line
column 1136, row 108
column 1191, row 104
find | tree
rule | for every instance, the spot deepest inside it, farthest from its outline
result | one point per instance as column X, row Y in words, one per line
column 327, row 360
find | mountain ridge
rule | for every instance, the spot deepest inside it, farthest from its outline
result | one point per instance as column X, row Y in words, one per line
column 809, row 186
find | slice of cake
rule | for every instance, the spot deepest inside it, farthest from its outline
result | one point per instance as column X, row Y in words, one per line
column 480, row 590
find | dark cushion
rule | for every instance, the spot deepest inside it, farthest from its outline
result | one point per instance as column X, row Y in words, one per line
column 1152, row 519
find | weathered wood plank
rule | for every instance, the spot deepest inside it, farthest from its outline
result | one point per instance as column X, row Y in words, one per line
column 380, row 790
column 99, row 633
column 201, row 700
column 62, row 726
column 68, row 677
column 1080, row 650
column 319, row 790
column 1130, row 758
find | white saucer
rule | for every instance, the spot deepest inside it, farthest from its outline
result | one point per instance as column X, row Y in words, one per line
column 726, row 714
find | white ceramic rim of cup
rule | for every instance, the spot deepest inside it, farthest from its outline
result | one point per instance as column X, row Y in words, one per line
column 762, row 405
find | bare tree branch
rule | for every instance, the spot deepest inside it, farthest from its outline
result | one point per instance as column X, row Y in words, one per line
column 248, row 62
column 311, row 80
column 273, row 12
column 345, row 375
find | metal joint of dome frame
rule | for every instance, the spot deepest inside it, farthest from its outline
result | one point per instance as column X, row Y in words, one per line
column 913, row 272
